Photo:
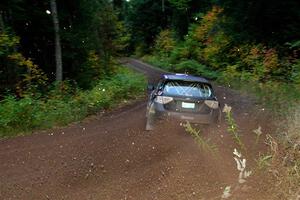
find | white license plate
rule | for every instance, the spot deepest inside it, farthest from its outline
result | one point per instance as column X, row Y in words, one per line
column 188, row 105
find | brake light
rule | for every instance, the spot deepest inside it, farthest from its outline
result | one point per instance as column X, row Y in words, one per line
column 163, row 100
column 212, row 104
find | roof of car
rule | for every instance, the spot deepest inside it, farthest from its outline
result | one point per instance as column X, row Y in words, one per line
column 185, row 77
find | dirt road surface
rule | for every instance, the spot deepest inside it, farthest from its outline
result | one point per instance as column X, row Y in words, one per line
column 110, row 156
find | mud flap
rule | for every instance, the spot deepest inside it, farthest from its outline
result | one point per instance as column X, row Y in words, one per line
column 149, row 125
column 150, row 115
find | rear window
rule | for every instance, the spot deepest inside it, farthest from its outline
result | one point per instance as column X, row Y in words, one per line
column 190, row 89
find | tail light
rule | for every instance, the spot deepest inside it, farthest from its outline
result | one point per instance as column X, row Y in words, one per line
column 163, row 100
column 212, row 104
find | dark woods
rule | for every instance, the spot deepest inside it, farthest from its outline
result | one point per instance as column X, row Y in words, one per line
column 92, row 32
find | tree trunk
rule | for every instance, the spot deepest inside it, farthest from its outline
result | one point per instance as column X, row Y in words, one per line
column 1, row 22
column 163, row 5
column 58, row 59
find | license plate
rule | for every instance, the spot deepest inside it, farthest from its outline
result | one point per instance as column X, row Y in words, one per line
column 188, row 105
column 187, row 118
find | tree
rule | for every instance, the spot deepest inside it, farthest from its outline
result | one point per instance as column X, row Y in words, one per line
column 268, row 21
column 1, row 22
column 58, row 57
column 146, row 18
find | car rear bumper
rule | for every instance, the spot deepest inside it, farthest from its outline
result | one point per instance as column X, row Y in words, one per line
column 193, row 117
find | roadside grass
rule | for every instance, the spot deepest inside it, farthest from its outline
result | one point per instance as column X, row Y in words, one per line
column 285, row 163
column 282, row 161
column 205, row 144
column 63, row 105
column 232, row 127
column 264, row 161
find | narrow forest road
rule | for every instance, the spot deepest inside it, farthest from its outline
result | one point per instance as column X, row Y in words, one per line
column 111, row 157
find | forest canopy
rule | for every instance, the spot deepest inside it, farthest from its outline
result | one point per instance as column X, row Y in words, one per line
column 90, row 34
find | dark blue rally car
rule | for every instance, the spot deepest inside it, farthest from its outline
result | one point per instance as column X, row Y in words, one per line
column 183, row 97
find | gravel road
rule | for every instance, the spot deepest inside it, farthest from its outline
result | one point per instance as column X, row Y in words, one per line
column 110, row 157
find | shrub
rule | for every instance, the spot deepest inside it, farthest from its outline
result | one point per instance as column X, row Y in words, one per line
column 161, row 62
column 193, row 67
column 181, row 52
column 164, row 43
column 295, row 74
column 63, row 104
column 91, row 71
column 20, row 74
column 214, row 53
column 207, row 25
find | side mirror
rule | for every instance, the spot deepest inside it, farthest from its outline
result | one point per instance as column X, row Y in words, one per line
column 150, row 87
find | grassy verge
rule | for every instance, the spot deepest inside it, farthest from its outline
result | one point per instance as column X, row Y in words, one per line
column 63, row 105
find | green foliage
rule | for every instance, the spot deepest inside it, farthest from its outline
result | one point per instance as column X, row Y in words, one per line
column 205, row 144
column 261, row 61
column 264, row 161
column 232, row 127
column 91, row 71
column 18, row 73
column 180, row 4
column 208, row 41
column 122, row 39
column 140, row 50
column 162, row 62
column 193, row 67
column 64, row 104
column 215, row 51
column 207, row 26
column 295, row 75
column 208, row 51
column 85, row 26
column 145, row 19
column 183, row 51
column 34, row 78
column 164, row 43
column 8, row 43
column 275, row 95
column 203, row 44
column 189, row 66
column 293, row 45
